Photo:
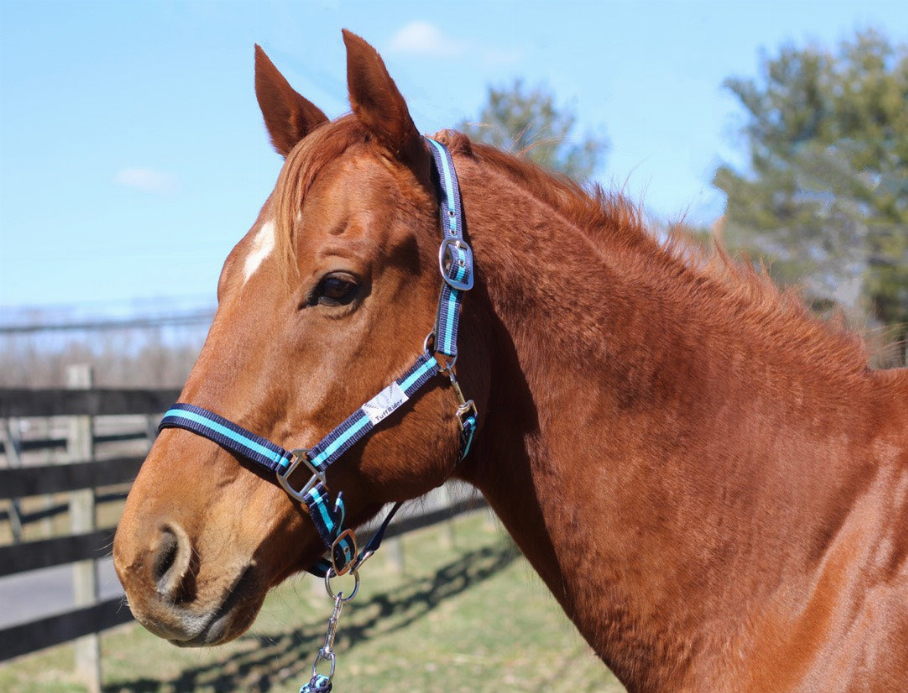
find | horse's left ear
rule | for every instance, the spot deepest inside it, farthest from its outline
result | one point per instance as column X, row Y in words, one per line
column 377, row 102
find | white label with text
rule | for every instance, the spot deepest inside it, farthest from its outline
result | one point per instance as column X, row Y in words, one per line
column 385, row 402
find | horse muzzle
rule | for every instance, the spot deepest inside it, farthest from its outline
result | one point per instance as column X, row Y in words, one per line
column 161, row 572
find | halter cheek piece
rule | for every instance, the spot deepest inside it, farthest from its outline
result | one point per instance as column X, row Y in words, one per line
column 455, row 261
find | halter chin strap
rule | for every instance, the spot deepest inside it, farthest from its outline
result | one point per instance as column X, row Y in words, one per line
column 455, row 260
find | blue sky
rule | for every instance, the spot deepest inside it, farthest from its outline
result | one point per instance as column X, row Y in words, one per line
column 133, row 155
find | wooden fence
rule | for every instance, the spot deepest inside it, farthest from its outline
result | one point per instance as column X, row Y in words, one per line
column 82, row 474
column 81, row 477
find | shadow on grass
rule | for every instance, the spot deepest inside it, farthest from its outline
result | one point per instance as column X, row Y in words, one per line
column 283, row 659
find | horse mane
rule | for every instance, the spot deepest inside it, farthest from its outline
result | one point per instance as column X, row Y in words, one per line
column 609, row 220
column 713, row 277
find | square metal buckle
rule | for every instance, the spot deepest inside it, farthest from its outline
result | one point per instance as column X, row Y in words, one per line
column 465, row 410
column 346, row 534
column 300, row 456
column 446, row 254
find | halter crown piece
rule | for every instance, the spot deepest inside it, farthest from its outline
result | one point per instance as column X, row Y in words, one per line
column 455, row 261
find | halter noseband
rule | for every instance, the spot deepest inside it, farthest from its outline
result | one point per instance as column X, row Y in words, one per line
column 455, row 260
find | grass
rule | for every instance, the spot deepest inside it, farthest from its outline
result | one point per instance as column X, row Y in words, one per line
column 468, row 616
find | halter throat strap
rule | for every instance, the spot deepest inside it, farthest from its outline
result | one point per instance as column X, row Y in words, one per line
column 455, row 259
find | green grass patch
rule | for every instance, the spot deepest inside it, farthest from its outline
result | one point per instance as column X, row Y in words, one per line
column 466, row 614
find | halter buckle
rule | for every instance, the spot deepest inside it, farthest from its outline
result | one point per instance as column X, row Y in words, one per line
column 466, row 410
column 449, row 261
column 467, row 414
column 336, row 546
column 300, row 456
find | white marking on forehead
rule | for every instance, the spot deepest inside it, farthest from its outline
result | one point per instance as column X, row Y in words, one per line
column 262, row 245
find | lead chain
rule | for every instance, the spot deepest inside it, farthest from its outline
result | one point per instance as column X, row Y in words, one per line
column 321, row 683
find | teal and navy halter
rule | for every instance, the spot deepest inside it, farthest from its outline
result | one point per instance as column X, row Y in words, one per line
column 455, row 261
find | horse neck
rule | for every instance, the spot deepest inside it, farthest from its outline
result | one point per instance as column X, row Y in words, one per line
column 661, row 466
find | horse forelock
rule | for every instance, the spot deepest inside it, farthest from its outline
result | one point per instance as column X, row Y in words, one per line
column 323, row 145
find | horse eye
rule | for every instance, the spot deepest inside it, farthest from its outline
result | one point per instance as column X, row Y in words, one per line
column 335, row 290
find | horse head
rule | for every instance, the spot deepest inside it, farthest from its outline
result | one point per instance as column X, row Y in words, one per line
column 327, row 299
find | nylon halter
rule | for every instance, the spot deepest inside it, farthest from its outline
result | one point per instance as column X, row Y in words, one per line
column 455, row 261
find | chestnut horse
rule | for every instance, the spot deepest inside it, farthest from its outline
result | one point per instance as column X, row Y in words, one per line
column 713, row 484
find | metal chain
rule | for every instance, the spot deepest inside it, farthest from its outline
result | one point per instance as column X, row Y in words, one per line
column 321, row 683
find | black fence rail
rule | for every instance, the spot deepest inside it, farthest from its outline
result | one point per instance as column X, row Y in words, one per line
column 22, row 402
column 34, row 481
column 25, row 638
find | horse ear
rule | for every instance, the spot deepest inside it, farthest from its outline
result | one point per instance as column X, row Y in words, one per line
column 376, row 100
column 288, row 116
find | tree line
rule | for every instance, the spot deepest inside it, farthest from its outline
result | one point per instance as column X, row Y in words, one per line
column 823, row 199
column 140, row 357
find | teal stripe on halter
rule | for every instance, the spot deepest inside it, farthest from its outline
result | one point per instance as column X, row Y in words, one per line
column 322, row 510
column 340, row 440
column 426, row 367
column 450, row 318
column 451, row 314
column 224, row 431
column 449, row 187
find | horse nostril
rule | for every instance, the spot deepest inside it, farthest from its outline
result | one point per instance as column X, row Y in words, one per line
column 171, row 568
column 167, row 555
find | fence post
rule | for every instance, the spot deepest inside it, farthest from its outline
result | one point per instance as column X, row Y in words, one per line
column 394, row 548
column 80, row 447
column 13, row 447
column 46, row 431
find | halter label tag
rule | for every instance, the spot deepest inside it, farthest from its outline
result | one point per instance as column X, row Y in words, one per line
column 384, row 403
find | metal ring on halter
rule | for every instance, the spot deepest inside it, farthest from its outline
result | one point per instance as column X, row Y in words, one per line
column 430, row 338
column 340, row 595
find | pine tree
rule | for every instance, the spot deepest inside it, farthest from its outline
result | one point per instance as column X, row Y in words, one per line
column 527, row 121
column 825, row 195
